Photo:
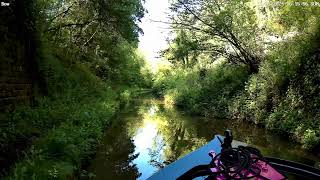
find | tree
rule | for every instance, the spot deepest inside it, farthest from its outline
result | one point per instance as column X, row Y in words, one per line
column 101, row 33
column 225, row 28
column 184, row 49
column 293, row 16
column 84, row 20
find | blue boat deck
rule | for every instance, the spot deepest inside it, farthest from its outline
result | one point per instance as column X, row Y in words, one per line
column 197, row 157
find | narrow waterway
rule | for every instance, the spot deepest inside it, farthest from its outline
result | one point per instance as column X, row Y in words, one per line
column 147, row 136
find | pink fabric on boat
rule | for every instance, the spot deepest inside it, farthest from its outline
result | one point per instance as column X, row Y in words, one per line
column 267, row 171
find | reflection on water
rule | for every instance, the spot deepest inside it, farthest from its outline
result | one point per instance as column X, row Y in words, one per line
column 146, row 140
column 147, row 136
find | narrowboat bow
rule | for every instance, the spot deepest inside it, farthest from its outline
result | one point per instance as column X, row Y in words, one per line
column 222, row 158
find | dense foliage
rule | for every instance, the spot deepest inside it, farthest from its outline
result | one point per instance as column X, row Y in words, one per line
column 88, row 66
column 239, row 59
column 283, row 95
column 219, row 28
column 270, row 77
column 186, row 88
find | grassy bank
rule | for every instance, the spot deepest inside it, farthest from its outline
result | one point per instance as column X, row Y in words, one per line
column 85, row 67
column 282, row 96
column 61, row 131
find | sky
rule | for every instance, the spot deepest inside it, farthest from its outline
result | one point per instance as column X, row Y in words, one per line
column 155, row 33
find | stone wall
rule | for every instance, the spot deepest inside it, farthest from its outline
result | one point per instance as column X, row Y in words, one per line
column 17, row 55
column 15, row 83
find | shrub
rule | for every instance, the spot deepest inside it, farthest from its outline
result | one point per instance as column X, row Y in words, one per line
column 66, row 125
column 283, row 96
column 209, row 95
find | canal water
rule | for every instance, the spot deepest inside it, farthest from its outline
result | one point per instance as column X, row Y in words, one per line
column 148, row 135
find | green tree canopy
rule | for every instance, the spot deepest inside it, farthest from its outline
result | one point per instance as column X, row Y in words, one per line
column 223, row 29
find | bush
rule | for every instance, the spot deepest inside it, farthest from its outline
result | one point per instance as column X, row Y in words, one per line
column 220, row 87
column 209, row 95
column 67, row 146
column 283, row 96
column 66, row 125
